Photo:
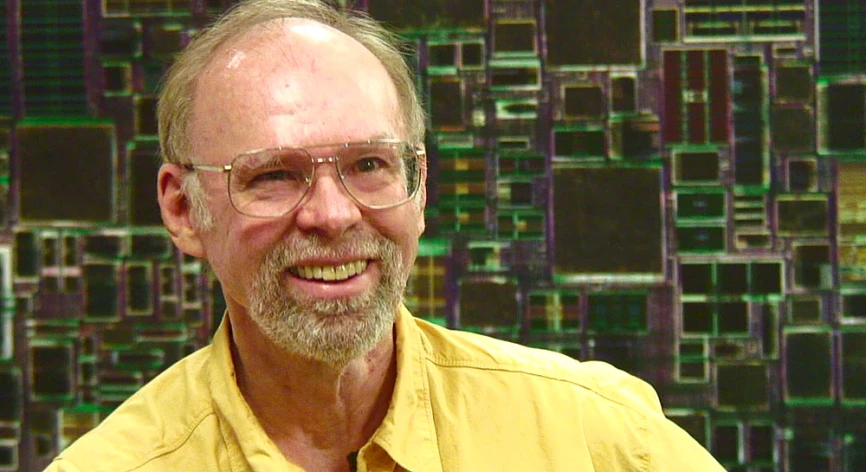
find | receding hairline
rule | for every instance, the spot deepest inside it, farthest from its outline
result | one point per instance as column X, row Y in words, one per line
column 256, row 36
column 281, row 37
column 180, row 84
column 259, row 30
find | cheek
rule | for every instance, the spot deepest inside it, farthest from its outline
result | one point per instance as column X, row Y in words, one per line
column 234, row 234
column 235, row 249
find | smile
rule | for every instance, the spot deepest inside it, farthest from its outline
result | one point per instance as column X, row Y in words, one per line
column 329, row 273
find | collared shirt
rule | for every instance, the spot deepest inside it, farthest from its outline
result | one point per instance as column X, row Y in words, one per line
column 462, row 402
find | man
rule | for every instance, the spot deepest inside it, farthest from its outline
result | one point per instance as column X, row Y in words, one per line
column 294, row 166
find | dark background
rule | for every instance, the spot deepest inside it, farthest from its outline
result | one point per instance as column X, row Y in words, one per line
column 678, row 188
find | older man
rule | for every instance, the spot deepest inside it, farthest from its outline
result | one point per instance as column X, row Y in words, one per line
column 294, row 166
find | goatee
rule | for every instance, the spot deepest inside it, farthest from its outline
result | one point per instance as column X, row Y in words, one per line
column 331, row 331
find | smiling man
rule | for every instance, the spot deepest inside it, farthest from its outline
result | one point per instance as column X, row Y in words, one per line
column 294, row 166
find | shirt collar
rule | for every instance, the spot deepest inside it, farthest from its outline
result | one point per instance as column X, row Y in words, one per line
column 246, row 440
column 407, row 432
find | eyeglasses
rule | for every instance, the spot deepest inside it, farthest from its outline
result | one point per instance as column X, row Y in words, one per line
column 268, row 183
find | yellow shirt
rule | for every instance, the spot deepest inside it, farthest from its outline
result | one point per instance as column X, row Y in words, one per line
column 462, row 403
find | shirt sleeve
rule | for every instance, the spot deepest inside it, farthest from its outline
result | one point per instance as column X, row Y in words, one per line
column 669, row 447
column 61, row 465
column 672, row 448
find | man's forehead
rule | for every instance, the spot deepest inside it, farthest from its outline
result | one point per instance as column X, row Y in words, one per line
column 283, row 75
column 277, row 55
column 284, row 39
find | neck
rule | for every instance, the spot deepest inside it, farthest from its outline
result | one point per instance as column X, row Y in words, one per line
column 310, row 409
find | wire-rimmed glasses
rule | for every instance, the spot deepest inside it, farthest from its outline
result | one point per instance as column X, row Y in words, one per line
column 268, row 183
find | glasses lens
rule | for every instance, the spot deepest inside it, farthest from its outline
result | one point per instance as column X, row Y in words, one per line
column 379, row 175
column 269, row 183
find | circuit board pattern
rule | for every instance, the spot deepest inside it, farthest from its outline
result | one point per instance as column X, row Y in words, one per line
column 675, row 186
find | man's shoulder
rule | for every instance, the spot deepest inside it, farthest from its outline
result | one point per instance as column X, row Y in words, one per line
column 496, row 386
column 590, row 380
column 155, row 421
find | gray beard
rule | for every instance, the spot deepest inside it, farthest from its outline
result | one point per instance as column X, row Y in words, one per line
column 331, row 331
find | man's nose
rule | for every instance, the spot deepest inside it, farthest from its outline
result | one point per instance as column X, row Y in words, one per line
column 327, row 208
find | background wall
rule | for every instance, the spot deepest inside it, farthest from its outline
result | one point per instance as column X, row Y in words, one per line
column 675, row 186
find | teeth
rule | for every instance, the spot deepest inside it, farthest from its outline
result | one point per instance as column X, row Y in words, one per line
column 330, row 273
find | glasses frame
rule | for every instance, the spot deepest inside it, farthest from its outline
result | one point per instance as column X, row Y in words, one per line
column 418, row 149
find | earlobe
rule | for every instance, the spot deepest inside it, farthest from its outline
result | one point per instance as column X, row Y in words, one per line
column 175, row 209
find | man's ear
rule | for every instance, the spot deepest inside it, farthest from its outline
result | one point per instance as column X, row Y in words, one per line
column 422, row 190
column 176, row 212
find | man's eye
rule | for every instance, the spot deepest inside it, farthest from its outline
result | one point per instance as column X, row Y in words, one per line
column 369, row 164
column 277, row 176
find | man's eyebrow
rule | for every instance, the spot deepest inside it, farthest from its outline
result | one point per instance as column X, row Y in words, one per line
column 383, row 136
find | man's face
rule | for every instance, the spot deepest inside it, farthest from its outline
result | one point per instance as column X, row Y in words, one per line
column 298, row 83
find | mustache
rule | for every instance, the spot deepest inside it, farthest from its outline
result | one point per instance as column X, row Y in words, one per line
column 355, row 245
